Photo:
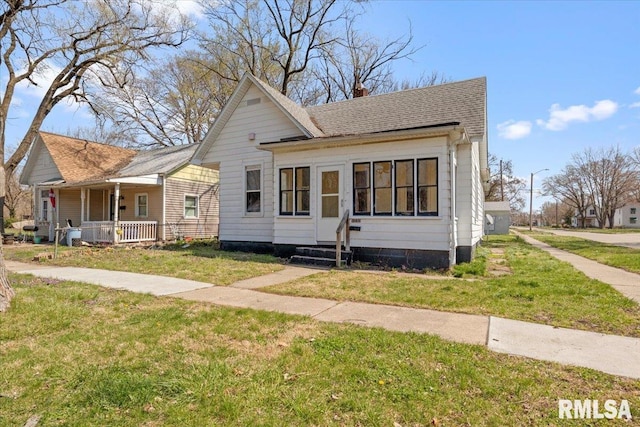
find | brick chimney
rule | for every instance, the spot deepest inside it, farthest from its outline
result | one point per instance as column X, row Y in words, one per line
column 359, row 90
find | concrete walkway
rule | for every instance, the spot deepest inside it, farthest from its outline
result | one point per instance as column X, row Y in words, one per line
column 611, row 354
column 625, row 282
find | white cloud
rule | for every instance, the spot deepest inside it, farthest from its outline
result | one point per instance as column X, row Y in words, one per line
column 189, row 8
column 514, row 130
column 637, row 91
column 559, row 119
column 635, row 105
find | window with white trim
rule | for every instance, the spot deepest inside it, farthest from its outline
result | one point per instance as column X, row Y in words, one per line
column 191, row 206
column 253, row 189
column 44, row 205
column 142, row 205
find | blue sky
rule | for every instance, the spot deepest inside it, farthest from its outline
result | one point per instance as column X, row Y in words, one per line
column 562, row 76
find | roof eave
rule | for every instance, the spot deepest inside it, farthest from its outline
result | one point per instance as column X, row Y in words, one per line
column 367, row 138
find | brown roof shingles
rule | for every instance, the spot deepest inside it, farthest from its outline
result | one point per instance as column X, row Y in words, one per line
column 80, row 160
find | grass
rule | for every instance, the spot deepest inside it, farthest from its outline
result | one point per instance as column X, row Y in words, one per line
column 604, row 230
column 200, row 261
column 539, row 289
column 80, row 355
column 615, row 256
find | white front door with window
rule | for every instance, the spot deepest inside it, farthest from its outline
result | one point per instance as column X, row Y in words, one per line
column 330, row 202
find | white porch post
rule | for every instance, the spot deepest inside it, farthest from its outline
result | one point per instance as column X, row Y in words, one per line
column 82, row 201
column 116, row 213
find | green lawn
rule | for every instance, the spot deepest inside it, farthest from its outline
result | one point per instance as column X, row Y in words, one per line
column 615, row 256
column 538, row 288
column 80, row 355
column 605, row 230
column 200, row 261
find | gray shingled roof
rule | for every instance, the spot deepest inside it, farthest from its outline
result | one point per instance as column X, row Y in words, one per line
column 158, row 161
column 462, row 102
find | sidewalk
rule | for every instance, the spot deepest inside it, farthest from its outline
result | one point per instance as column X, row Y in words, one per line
column 608, row 353
column 625, row 282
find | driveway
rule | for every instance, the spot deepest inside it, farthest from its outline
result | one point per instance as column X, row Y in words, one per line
column 629, row 240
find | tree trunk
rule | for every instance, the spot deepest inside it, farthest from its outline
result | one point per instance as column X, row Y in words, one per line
column 2, row 215
column 6, row 292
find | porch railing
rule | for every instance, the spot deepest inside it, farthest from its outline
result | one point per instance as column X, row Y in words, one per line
column 97, row 231
column 138, row 231
column 129, row 231
column 344, row 225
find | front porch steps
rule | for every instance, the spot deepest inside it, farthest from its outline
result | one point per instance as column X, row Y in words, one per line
column 320, row 256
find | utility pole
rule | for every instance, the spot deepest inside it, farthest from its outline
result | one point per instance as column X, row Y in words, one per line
column 501, row 183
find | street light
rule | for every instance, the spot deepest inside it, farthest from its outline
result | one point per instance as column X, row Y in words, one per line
column 531, row 196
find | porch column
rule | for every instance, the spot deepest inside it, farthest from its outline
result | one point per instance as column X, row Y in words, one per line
column 116, row 213
column 82, row 201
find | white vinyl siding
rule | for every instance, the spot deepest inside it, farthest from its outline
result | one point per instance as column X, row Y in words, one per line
column 469, row 195
column 233, row 150
column 44, row 169
column 393, row 232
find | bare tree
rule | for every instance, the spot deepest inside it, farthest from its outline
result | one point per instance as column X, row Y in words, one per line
column 557, row 213
column 504, row 185
column 74, row 43
column 171, row 103
column 358, row 59
column 17, row 197
column 569, row 187
column 609, row 177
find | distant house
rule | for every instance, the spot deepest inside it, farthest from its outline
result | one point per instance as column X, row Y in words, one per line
column 406, row 169
column 498, row 217
column 118, row 195
column 625, row 217
column 628, row 216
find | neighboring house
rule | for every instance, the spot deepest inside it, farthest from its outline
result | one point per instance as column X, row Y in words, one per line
column 406, row 167
column 625, row 217
column 628, row 216
column 498, row 217
column 118, row 195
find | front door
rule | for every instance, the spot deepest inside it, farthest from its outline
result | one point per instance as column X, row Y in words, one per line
column 330, row 203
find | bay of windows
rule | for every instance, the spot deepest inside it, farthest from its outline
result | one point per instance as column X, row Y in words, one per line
column 399, row 188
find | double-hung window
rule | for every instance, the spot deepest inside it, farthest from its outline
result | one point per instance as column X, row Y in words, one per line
column 295, row 191
column 428, row 187
column 191, row 206
column 141, row 205
column 361, row 188
column 253, row 189
column 404, row 187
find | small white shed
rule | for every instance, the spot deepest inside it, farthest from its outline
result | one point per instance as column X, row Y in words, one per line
column 497, row 217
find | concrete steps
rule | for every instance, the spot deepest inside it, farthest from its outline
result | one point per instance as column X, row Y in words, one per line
column 319, row 256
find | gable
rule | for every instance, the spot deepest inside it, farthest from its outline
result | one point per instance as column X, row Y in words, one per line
column 40, row 166
column 255, row 118
column 257, row 97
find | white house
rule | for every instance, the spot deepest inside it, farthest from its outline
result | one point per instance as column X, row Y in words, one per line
column 405, row 167
column 624, row 217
